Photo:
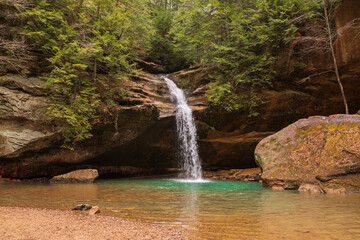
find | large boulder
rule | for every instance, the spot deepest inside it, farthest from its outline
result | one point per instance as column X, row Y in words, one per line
column 78, row 176
column 317, row 150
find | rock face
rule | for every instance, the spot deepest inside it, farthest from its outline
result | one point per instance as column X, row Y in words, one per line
column 323, row 150
column 21, row 121
column 78, row 176
column 248, row 174
column 139, row 139
column 30, row 145
column 227, row 140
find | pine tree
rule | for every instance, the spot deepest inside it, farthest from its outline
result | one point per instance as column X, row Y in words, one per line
column 82, row 39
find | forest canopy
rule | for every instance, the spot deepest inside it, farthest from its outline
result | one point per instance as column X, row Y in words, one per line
column 84, row 44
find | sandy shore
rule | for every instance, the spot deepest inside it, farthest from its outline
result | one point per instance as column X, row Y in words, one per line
column 31, row 224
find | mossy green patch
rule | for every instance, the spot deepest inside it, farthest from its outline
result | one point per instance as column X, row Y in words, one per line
column 350, row 182
column 316, row 150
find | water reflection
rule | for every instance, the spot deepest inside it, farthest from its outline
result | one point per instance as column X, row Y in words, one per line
column 216, row 210
column 190, row 208
column 310, row 216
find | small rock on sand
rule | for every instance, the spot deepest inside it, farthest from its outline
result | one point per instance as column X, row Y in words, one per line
column 94, row 210
column 82, row 207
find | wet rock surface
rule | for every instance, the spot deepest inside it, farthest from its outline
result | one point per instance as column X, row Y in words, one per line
column 82, row 207
column 311, row 188
column 317, row 149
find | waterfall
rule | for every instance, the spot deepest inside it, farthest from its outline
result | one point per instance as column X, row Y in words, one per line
column 186, row 130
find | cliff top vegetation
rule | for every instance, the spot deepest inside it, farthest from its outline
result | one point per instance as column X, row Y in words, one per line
column 82, row 46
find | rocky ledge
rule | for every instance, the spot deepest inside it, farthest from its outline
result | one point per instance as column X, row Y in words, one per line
column 30, row 144
column 317, row 154
column 249, row 174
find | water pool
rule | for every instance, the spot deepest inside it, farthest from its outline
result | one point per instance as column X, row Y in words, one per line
column 210, row 210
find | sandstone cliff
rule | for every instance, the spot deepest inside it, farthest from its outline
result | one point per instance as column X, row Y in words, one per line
column 139, row 138
column 229, row 139
column 30, row 145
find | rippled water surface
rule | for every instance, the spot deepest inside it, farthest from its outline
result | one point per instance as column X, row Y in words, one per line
column 209, row 210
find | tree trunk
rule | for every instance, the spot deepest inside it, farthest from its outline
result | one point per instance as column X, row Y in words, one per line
column 334, row 58
column 94, row 74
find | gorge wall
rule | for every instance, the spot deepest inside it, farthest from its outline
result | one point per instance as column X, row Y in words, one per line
column 30, row 144
column 139, row 139
column 229, row 139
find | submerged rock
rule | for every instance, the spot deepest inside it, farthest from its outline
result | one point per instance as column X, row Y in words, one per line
column 325, row 149
column 311, row 188
column 78, row 176
column 82, row 207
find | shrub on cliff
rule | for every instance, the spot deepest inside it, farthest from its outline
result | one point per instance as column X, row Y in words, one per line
column 81, row 39
column 243, row 37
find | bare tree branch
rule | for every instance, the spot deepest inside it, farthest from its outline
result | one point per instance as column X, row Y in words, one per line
column 334, row 58
column 308, row 78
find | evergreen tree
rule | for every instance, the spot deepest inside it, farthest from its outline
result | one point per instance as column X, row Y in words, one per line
column 162, row 42
column 89, row 42
column 81, row 38
column 243, row 37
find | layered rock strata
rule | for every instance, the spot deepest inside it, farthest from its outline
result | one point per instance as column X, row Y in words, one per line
column 139, row 139
column 30, row 145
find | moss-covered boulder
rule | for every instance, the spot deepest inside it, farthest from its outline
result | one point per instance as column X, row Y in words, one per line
column 317, row 150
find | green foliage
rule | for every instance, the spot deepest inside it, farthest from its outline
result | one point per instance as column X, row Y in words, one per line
column 243, row 37
column 89, row 45
column 14, row 52
column 224, row 97
column 82, row 39
column 162, row 44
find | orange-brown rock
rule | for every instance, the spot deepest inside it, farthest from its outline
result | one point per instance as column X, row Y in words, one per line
column 311, row 188
column 316, row 149
column 248, row 174
column 139, row 139
column 229, row 138
column 30, row 145
column 94, row 210
column 78, row 176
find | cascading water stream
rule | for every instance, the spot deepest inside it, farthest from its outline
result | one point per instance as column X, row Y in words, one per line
column 186, row 130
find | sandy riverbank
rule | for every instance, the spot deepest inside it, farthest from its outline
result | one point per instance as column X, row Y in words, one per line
column 31, row 224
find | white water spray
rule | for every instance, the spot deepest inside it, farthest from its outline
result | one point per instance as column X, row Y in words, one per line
column 186, row 133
